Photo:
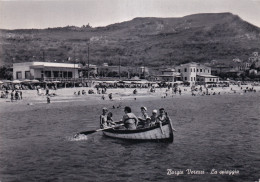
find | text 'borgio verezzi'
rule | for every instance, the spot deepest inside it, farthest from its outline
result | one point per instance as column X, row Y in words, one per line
column 199, row 172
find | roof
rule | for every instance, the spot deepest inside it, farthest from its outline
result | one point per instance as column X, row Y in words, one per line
column 47, row 64
column 208, row 76
column 193, row 64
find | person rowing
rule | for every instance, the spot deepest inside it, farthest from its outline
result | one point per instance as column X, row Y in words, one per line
column 129, row 119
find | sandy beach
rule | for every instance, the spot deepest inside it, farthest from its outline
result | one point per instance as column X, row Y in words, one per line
column 66, row 95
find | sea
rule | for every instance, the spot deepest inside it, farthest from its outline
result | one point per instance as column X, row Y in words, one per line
column 217, row 138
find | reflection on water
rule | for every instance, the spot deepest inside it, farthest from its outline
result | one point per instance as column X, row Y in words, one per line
column 215, row 132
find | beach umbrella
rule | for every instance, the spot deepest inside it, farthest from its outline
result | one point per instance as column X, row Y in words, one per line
column 7, row 81
column 56, row 82
column 1, row 82
column 35, row 81
column 26, row 80
column 16, row 81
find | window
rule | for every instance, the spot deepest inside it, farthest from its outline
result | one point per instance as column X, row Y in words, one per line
column 191, row 79
column 42, row 74
column 48, row 73
column 200, row 70
column 179, row 70
column 197, row 70
column 194, row 70
column 185, row 69
column 204, row 70
column 210, row 79
column 18, row 75
column 208, row 71
column 55, row 74
column 27, row 74
column 185, row 78
column 191, row 70
column 69, row 74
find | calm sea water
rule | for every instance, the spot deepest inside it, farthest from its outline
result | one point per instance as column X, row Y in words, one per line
column 213, row 132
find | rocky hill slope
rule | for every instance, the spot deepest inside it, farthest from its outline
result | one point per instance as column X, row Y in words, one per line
column 141, row 41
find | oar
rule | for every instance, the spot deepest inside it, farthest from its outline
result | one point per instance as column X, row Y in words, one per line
column 94, row 131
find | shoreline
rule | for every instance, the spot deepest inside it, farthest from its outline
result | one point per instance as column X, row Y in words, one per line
column 65, row 96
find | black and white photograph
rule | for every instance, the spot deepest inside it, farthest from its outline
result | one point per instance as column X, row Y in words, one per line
column 130, row 90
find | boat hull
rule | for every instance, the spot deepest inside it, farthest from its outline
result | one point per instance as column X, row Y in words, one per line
column 146, row 134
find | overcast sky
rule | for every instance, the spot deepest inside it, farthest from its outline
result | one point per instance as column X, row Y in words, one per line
column 16, row 14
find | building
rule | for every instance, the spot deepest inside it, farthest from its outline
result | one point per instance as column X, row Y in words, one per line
column 192, row 72
column 207, row 79
column 125, row 71
column 45, row 71
column 169, row 75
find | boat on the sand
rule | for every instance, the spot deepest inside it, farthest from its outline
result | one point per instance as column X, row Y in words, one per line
column 154, row 133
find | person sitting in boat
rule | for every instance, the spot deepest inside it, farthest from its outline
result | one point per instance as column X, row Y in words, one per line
column 110, row 120
column 153, row 118
column 162, row 117
column 106, row 119
column 144, row 120
column 129, row 119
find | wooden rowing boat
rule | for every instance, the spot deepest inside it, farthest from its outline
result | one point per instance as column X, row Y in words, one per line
column 154, row 133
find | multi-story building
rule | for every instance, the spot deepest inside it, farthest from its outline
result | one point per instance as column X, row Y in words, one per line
column 192, row 72
column 45, row 70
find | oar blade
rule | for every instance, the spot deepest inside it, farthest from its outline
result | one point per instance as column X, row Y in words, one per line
column 87, row 132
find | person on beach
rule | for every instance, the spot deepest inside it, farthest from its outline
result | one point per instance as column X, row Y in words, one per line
column 47, row 91
column 106, row 119
column 12, row 96
column 16, row 95
column 179, row 91
column 110, row 96
column 129, row 119
column 48, row 100
column 21, row 94
column 6, row 94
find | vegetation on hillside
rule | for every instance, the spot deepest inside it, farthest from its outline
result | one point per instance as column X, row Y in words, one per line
column 142, row 41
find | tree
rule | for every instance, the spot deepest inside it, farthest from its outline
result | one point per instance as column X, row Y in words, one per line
column 6, row 73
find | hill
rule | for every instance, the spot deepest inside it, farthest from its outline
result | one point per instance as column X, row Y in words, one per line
column 141, row 41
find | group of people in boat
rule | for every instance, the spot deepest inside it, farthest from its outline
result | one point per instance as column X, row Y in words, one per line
column 131, row 122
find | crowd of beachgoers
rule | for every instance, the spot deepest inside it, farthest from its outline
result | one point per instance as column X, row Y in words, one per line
column 105, row 92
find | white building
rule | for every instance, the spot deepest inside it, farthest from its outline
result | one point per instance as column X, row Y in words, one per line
column 192, row 72
column 45, row 70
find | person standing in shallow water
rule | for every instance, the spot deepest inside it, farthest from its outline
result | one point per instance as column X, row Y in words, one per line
column 129, row 119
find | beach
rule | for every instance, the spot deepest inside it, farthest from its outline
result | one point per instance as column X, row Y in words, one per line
column 218, row 132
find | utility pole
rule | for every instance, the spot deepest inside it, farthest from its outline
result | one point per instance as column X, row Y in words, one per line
column 74, row 68
column 43, row 56
column 88, row 61
column 119, row 68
